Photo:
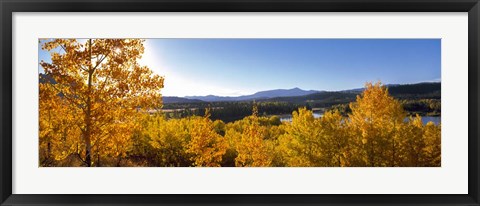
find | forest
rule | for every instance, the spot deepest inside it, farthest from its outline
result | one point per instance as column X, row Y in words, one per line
column 426, row 103
column 100, row 108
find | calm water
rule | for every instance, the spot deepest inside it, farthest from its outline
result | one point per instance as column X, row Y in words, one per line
column 425, row 119
column 288, row 117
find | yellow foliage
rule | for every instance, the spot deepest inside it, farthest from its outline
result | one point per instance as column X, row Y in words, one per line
column 99, row 107
column 101, row 89
column 250, row 144
column 206, row 146
column 301, row 141
column 375, row 120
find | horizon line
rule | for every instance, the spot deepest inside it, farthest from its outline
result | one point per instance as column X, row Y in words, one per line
column 190, row 96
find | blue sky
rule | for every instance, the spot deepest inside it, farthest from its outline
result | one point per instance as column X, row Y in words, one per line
column 233, row 67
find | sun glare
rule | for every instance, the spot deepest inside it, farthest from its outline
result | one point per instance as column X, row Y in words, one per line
column 177, row 84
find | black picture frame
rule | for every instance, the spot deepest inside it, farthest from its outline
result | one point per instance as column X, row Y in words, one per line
column 10, row 6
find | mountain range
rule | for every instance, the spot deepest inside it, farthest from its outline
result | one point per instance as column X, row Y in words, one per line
column 297, row 93
column 258, row 95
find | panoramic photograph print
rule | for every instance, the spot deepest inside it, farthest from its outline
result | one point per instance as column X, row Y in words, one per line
column 239, row 102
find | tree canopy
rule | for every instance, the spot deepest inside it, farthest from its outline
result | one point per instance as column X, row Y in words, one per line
column 98, row 89
column 100, row 107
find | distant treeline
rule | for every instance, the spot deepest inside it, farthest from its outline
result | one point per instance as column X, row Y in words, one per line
column 423, row 99
column 416, row 91
column 422, row 107
column 233, row 111
column 328, row 99
column 230, row 111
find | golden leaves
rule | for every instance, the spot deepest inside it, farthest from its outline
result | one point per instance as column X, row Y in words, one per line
column 206, row 146
column 101, row 89
column 95, row 102
column 376, row 133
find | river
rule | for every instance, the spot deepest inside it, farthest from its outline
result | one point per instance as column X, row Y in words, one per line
column 425, row 119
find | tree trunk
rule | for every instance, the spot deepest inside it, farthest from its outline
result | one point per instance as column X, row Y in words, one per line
column 98, row 160
column 119, row 159
column 88, row 117
column 372, row 154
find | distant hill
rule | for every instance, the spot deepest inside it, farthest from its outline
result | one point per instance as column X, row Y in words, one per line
column 169, row 100
column 213, row 98
column 430, row 90
column 426, row 90
column 257, row 96
column 320, row 99
column 281, row 93
column 416, row 89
